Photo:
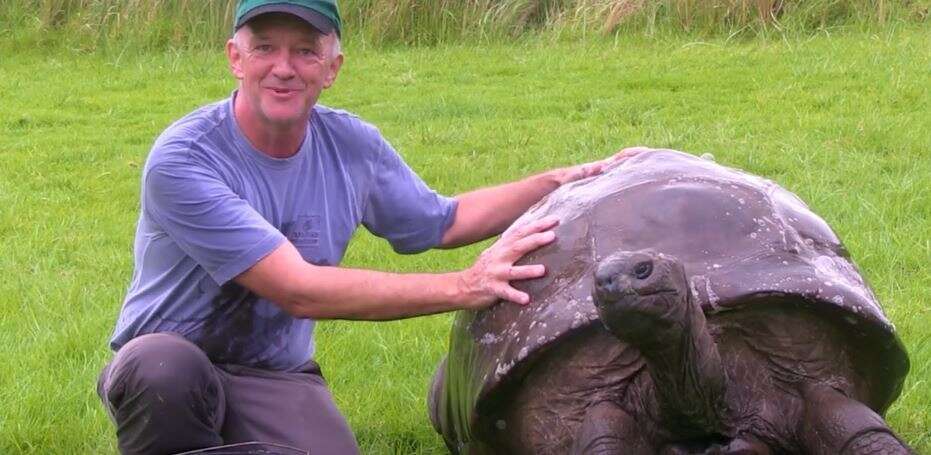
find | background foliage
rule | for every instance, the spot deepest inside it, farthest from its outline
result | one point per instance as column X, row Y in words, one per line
column 106, row 24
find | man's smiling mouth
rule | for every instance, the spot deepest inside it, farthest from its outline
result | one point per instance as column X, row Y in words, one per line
column 281, row 91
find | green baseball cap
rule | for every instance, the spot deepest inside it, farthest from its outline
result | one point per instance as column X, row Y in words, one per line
column 321, row 14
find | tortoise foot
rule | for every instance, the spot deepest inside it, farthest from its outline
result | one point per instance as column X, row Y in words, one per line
column 609, row 430
column 835, row 423
column 742, row 446
column 876, row 443
column 738, row 446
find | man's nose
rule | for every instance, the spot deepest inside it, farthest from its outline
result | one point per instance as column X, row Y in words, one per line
column 283, row 69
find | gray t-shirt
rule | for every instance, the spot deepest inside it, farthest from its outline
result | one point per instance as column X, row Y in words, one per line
column 213, row 206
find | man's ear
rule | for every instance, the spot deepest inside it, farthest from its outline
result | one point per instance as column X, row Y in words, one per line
column 234, row 56
column 335, row 65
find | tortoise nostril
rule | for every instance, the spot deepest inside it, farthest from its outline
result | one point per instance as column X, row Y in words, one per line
column 643, row 269
column 603, row 280
column 606, row 277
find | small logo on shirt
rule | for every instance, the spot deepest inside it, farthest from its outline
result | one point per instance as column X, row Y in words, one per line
column 304, row 231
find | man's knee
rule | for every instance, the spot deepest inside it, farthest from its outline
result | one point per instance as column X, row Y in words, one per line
column 164, row 396
column 162, row 365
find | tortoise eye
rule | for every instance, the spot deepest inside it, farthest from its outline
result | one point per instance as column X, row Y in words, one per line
column 643, row 269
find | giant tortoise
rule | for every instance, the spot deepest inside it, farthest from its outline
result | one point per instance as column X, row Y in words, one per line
column 687, row 308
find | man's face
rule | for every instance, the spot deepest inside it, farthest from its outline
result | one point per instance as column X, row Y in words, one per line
column 283, row 64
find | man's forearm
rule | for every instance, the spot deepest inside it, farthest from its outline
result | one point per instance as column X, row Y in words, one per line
column 345, row 293
column 489, row 211
column 323, row 292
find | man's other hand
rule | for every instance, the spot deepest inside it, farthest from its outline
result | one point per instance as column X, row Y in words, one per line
column 582, row 171
column 488, row 280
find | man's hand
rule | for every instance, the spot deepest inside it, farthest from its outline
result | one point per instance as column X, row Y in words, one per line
column 489, row 211
column 488, row 280
column 581, row 171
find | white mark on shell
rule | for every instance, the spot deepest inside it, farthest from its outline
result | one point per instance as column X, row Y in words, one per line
column 489, row 338
column 502, row 369
column 522, row 354
column 692, row 286
column 712, row 297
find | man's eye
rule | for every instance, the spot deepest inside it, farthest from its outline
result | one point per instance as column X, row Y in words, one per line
column 263, row 48
column 306, row 52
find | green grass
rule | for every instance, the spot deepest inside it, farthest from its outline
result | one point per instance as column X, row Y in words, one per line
column 842, row 120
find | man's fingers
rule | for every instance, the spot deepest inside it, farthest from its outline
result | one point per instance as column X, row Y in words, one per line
column 613, row 161
column 613, row 164
column 595, row 168
column 532, row 227
column 520, row 247
column 618, row 158
column 526, row 272
column 513, row 295
column 630, row 152
column 543, row 224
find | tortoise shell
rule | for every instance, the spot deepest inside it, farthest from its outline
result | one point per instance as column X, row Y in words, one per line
column 742, row 240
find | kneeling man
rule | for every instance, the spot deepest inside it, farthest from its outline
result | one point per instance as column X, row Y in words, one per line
column 247, row 207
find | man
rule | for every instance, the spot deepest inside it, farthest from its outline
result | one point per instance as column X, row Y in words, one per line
column 247, row 207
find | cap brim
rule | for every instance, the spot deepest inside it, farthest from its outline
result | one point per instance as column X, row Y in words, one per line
column 315, row 19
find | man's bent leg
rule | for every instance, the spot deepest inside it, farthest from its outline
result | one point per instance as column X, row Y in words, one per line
column 164, row 396
column 295, row 409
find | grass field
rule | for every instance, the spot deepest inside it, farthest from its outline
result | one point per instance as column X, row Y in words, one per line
column 842, row 119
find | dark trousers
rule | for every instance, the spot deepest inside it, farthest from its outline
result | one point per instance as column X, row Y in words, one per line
column 165, row 396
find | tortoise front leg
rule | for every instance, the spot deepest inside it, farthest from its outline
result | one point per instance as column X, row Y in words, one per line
column 609, row 430
column 836, row 424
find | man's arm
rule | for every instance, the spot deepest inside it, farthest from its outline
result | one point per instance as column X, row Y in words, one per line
column 305, row 290
column 309, row 291
column 489, row 211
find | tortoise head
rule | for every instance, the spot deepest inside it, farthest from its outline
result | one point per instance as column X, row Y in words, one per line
column 635, row 292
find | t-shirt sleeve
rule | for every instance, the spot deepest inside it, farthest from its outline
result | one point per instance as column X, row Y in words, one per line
column 207, row 220
column 402, row 209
